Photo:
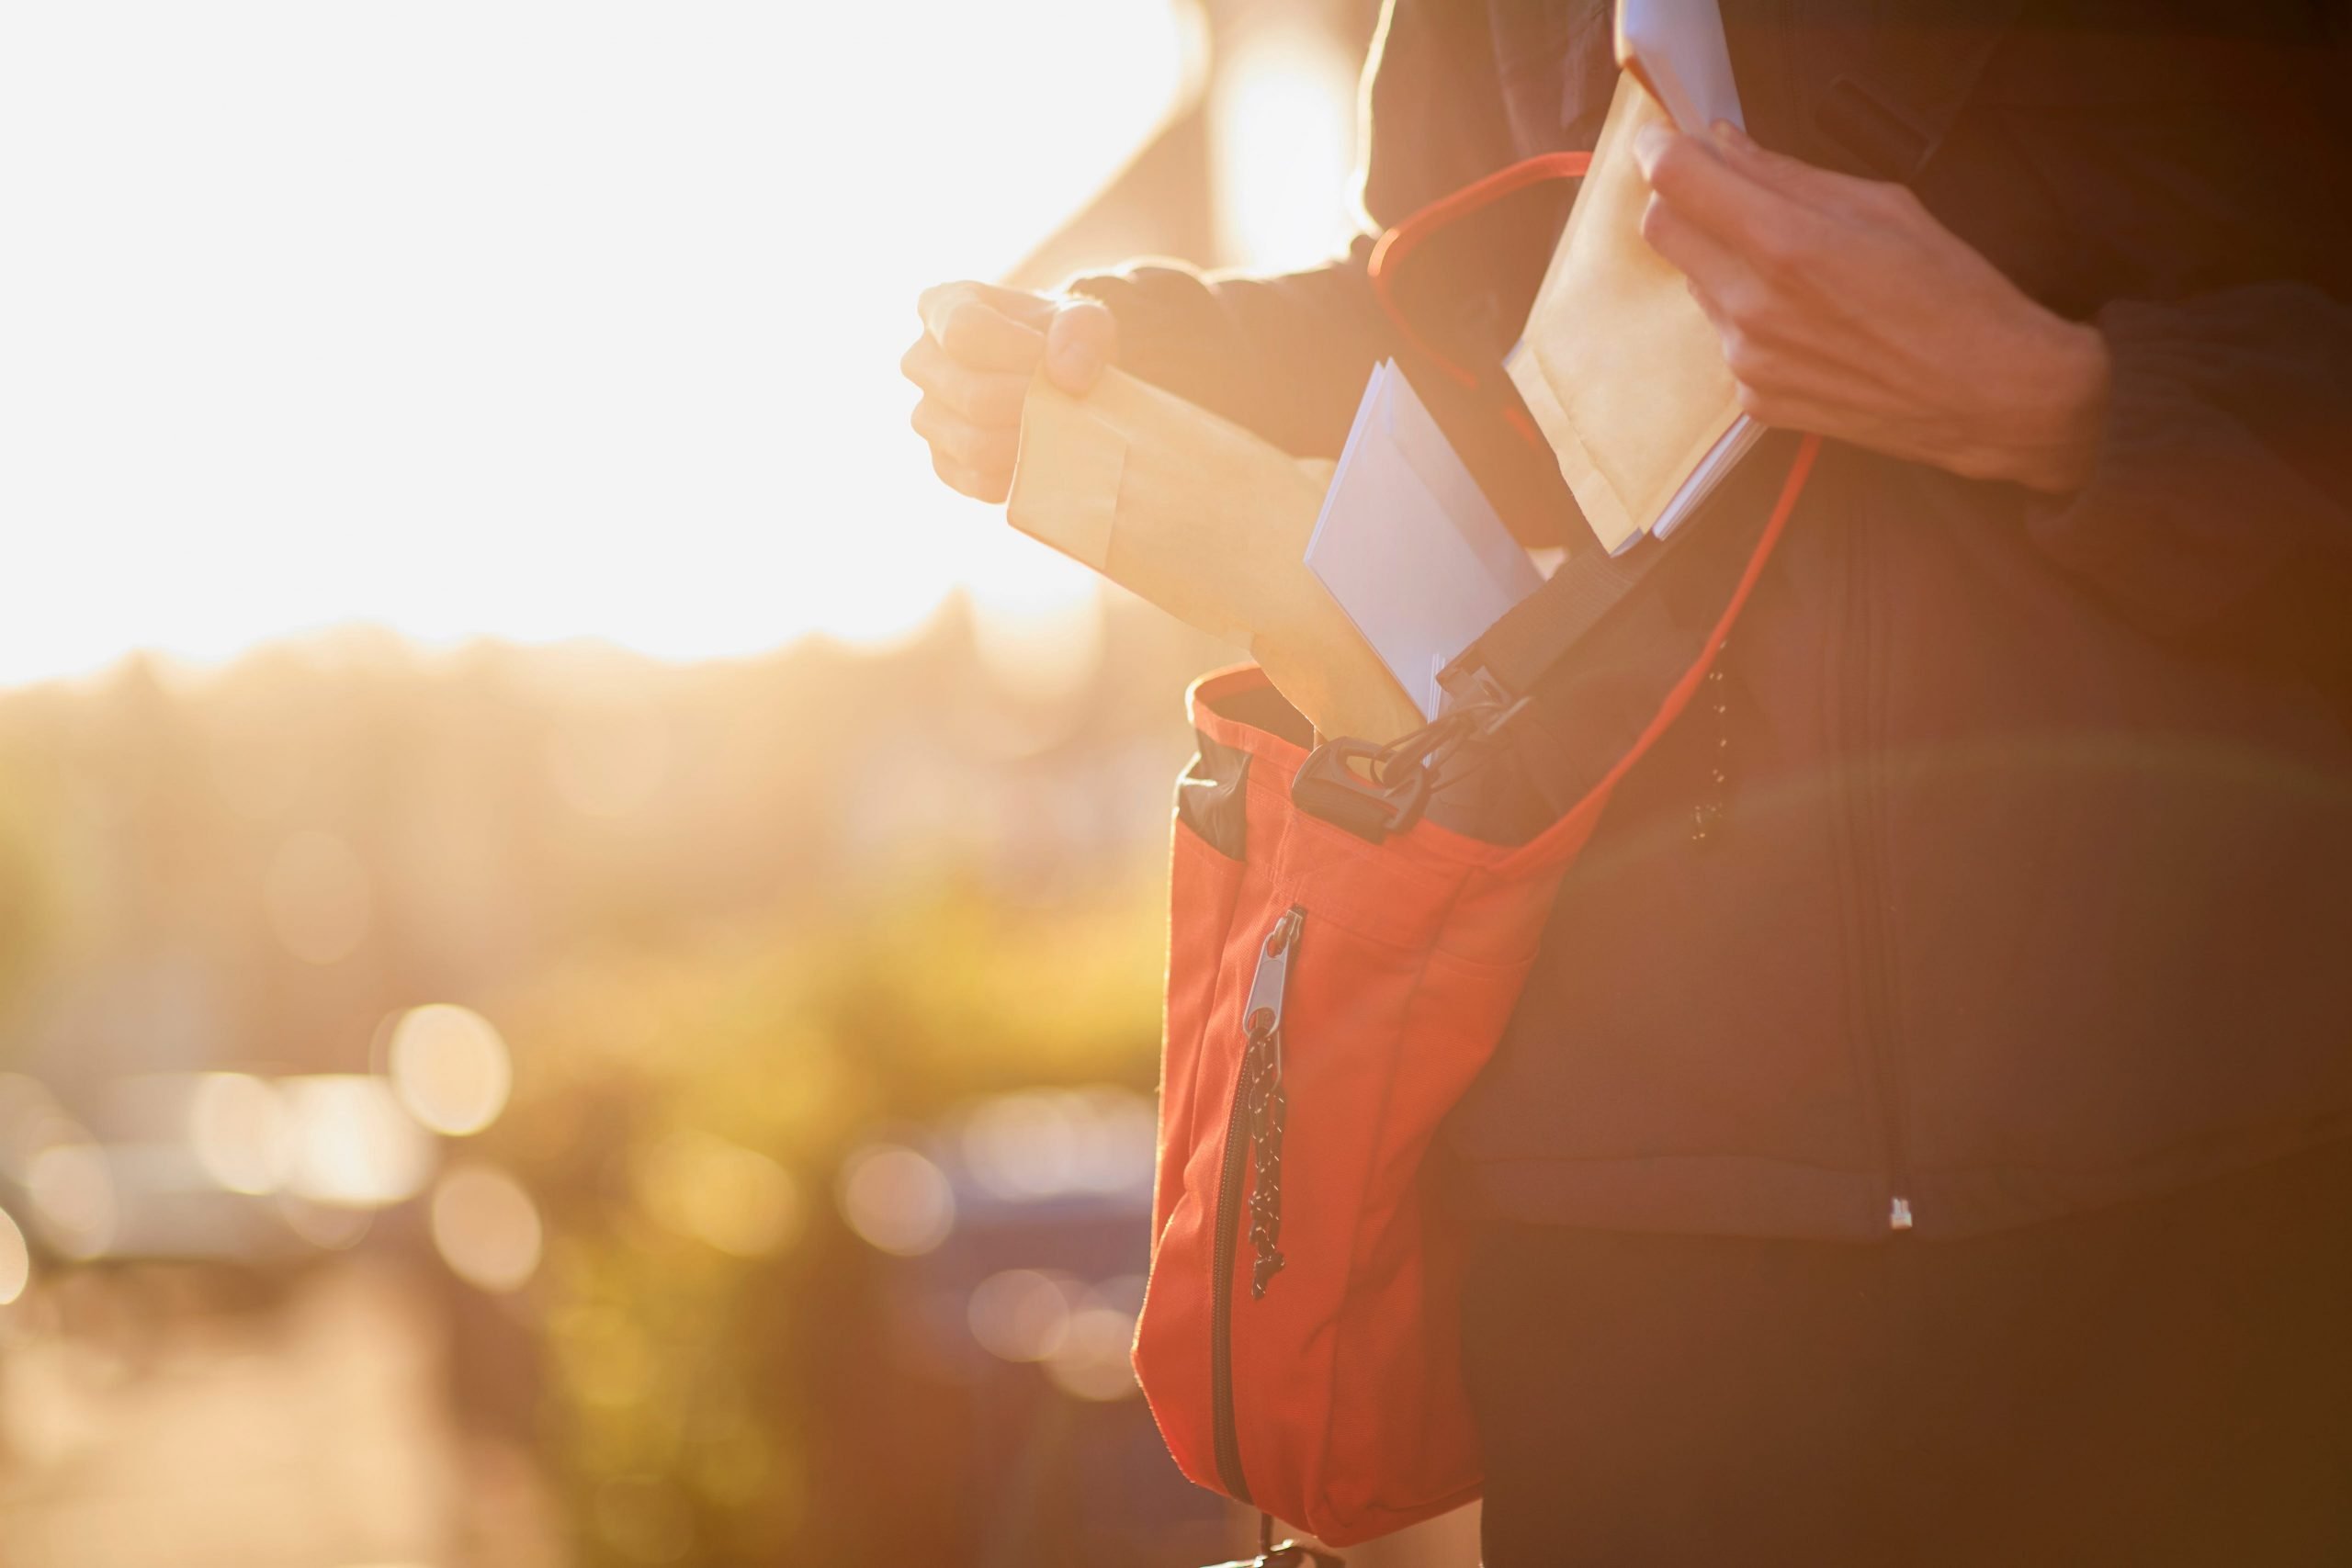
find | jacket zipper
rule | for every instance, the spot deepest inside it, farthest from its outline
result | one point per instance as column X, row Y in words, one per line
column 1863, row 833
column 1253, row 1125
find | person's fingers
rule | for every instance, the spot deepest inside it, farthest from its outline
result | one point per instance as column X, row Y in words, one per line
column 991, row 487
column 1824, row 190
column 1695, row 179
column 969, row 320
column 1080, row 341
column 1719, row 275
column 980, row 448
column 977, row 335
column 983, row 397
column 1013, row 304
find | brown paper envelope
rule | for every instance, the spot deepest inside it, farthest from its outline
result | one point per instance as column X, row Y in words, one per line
column 1209, row 523
column 1634, row 388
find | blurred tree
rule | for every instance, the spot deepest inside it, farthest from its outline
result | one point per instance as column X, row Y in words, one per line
column 712, row 1327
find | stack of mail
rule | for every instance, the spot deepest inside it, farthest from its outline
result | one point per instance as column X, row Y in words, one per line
column 1621, row 370
column 1408, row 545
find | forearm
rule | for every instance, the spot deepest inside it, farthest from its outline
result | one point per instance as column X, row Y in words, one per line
column 2224, row 453
column 1283, row 356
column 1286, row 356
column 2043, row 409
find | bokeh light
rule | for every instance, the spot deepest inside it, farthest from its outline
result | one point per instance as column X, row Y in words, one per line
column 731, row 1198
column 691, row 241
column 30, row 1121
column 238, row 1127
column 1287, row 87
column 896, row 1200
column 1095, row 1358
column 1042, row 1143
column 1021, row 1314
column 1080, row 1334
column 1093, row 1361
column 73, row 1198
column 354, row 1145
column 16, row 1261
column 486, row 1227
column 450, row 1068
column 331, row 1227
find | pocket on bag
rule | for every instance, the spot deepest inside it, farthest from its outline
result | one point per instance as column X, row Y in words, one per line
column 1203, row 885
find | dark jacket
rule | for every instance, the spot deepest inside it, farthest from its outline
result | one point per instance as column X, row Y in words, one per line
column 2035, row 890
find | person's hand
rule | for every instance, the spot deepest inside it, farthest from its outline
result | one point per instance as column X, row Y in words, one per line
column 1844, row 307
column 980, row 347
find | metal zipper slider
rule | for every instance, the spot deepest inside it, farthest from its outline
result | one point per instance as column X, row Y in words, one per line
column 1259, row 1101
column 1264, row 1013
column 1898, row 1216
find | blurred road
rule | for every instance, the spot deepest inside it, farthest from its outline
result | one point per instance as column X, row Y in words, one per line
column 157, row 1418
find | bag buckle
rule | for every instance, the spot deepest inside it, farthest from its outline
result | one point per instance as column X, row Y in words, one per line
column 1392, row 789
column 1330, row 787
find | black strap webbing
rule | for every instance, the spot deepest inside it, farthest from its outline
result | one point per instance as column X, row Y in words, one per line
column 1543, row 629
column 1540, row 630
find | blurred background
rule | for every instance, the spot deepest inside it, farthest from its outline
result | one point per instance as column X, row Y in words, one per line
column 579, row 940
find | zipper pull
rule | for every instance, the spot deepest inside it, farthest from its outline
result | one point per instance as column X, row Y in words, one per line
column 1264, row 1013
column 1262, row 1100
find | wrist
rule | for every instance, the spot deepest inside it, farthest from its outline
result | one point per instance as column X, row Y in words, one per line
column 2058, row 408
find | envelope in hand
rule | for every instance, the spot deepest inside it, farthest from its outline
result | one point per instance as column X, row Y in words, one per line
column 1209, row 523
column 1619, row 366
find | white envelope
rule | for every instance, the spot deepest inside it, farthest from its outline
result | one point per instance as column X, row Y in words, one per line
column 1408, row 545
column 1678, row 48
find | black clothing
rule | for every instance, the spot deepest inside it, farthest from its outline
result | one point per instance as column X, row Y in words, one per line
column 2163, row 1382
column 2036, row 887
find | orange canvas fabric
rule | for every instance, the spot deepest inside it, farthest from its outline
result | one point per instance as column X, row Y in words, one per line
column 1298, row 1339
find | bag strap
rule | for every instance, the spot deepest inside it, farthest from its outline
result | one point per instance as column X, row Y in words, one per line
column 1391, row 250
column 1890, row 111
column 1374, row 791
column 1396, row 245
column 1538, row 631
column 1542, row 627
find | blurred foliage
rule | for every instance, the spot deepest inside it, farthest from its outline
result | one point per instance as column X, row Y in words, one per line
column 689, row 1382
column 733, row 921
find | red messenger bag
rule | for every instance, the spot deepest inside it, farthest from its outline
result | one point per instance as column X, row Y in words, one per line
column 1339, row 968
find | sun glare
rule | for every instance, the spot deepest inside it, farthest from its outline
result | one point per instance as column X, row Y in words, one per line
column 535, row 321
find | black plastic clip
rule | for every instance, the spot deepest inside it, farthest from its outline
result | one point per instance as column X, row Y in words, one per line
column 1330, row 787
column 1392, row 789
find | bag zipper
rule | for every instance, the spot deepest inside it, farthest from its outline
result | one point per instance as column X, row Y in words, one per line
column 1254, row 1124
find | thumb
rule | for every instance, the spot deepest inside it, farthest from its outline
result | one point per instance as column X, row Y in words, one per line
column 1080, row 341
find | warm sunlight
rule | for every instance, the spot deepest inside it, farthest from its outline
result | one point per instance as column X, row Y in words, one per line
column 531, row 321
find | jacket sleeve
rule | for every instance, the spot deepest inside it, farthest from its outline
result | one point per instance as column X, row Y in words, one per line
column 2226, row 453
column 1286, row 356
